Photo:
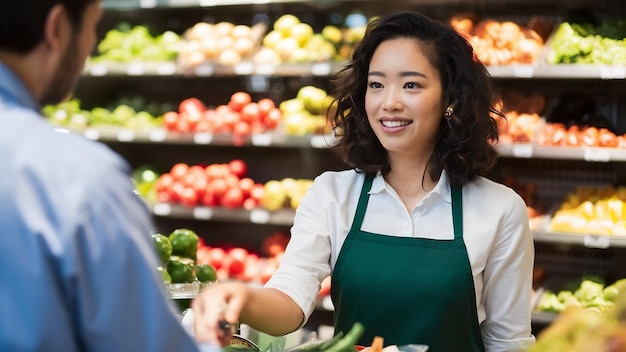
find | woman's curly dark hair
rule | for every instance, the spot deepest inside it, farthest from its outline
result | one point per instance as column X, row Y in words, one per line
column 464, row 146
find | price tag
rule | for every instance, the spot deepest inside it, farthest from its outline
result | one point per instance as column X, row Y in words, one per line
column 320, row 69
column 92, row 134
column 202, row 213
column 166, row 69
column 162, row 209
column 595, row 241
column 522, row 150
column 126, row 136
column 244, row 68
column 202, row 138
column 613, row 72
column 135, row 69
column 62, row 130
column 157, row 135
column 523, row 71
column 99, row 70
column 322, row 141
column 262, row 139
column 147, row 3
column 259, row 216
column 265, row 69
column 597, row 154
column 204, row 70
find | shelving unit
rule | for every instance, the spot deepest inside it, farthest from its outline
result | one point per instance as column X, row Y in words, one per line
column 555, row 170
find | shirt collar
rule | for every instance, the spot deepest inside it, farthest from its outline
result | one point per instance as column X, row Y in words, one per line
column 442, row 188
column 12, row 89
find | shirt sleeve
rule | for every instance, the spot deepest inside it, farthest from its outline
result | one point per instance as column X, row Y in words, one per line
column 120, row 302
column 306, row 261
column 507, row 287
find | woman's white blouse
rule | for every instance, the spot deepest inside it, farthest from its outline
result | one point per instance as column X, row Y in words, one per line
column 495, row 230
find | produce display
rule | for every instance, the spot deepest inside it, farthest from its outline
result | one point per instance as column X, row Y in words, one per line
column 306, row 113
column 499, row 42
column 240, row 116
column 136, row 44
column 579, row 329
column 178, row 255
column 224, row 43
column 70, row 114
column 523, row 116
column 558, row 134
column 293, row 41
column 224, row 184
column 591, row 210
column 585, row 43
column 589, row 294
column 238, row 263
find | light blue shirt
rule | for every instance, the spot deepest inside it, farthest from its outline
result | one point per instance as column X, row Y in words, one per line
column 77, row 265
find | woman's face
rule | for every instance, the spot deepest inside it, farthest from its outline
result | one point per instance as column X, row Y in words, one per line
column 403, row 100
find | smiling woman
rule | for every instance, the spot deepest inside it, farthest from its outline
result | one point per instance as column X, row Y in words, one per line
column 414, row 111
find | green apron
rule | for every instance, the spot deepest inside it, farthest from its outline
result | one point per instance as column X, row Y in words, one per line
column 407, row 290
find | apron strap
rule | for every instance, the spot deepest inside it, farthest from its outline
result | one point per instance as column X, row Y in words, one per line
column 362, row 205
column 457, row 211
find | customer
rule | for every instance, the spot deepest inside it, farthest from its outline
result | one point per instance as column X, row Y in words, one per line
column 422, row 248
column 78, row 268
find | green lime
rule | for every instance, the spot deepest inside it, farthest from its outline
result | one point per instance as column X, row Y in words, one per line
column 184, row 243
column 181, row 270
column 166, row 277
column 206, row 273
column 163, row 247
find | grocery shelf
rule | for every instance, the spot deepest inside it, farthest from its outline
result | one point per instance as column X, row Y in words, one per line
column 586, row 240
column 255, row 216
column 133, row 4
column 563, row 71
column 99, row 69
column 569, row 71
column 590, row 154
column 159, row 135
column 323, row 141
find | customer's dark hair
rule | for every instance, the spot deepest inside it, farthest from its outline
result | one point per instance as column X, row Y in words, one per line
column 22, row 21
column 464, row 146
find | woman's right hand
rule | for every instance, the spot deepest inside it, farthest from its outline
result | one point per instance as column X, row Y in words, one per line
column 221, row 301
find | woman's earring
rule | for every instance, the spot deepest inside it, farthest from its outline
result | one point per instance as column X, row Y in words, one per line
column 448, row 113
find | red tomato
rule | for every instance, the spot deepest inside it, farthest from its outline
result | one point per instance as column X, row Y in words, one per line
column 236, row 261
column 189, row 197
column 217, row 187
column 238, row 168
column 192, row 106
column 238, row 100
column 250, row 203
column 241, row 130
column 170, row 120
column 273, row 118
column 179, row 170
column 257, row 192
column 245, row 185
column 217, row 256
column 251, row 113
column 203, row 255
column 176, row 191
column 163, row 182
column 265, row 106
column 232, row 181
column 233, row 198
